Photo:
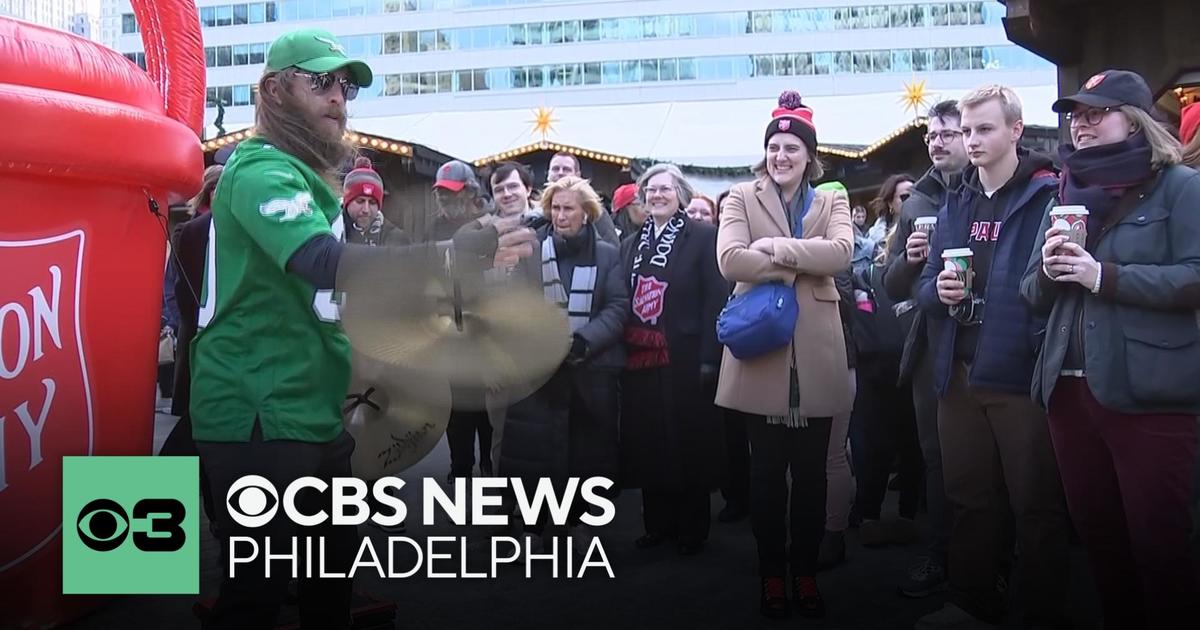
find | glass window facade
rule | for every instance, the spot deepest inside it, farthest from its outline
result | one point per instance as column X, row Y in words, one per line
column 879, row 16
column 670, row 69
column 737, row 67
column 138, row 58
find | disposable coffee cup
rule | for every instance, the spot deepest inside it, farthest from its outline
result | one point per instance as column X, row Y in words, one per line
column 1073, row 220
column 960, row 261
column 926, row 225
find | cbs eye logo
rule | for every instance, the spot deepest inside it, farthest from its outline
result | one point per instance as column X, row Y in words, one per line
column 103, row 525
column 252, row 501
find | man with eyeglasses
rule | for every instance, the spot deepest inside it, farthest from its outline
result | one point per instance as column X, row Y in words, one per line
column 906, row 257
column 270, row 364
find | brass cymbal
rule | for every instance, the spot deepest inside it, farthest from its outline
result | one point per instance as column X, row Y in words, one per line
column 500, row 336
column 396, row 416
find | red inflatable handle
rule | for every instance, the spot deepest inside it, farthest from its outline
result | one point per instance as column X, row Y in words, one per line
column 174, row 57
column 82, row 111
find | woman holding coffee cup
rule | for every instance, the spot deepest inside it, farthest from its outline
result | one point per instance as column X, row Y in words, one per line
column 1118, row 273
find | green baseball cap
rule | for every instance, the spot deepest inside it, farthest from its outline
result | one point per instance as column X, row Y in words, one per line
column 314, row 50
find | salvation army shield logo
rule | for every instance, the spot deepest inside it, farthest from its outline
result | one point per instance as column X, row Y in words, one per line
column 648, row 299
column 45, row 400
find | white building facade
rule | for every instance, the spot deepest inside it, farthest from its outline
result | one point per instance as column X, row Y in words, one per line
column 466, row 56
column 53, row 13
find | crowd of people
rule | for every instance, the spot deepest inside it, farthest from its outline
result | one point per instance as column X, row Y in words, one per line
column 1018, row 373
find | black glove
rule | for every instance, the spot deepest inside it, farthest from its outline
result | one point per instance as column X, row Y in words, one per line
column 476, row 242
column 708, row 375
column 578, row 351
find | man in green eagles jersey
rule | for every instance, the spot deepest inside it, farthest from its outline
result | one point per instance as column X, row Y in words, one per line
column 270, row 365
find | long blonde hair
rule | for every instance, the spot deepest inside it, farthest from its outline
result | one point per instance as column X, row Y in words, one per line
column 282, row 125
column 1164, row 148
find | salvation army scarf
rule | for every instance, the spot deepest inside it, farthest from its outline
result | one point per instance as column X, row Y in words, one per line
column 1096, row 177
column 649, row 279
column 580, row 249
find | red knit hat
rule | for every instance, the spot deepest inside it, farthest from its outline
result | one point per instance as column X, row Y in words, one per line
column 1189, row 123
column 623, row 196
column 793, row 117
column 363, row 181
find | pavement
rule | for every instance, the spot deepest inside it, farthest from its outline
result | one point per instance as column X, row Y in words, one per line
column 651, row 589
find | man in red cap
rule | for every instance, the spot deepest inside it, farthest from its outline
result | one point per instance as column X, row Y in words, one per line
column 628, row 212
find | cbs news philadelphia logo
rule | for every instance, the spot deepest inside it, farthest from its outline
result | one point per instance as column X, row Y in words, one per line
column 131, row 525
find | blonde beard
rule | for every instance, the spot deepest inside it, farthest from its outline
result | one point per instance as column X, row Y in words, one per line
column 288, row 129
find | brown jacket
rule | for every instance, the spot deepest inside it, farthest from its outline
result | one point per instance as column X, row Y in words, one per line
column 753, row 211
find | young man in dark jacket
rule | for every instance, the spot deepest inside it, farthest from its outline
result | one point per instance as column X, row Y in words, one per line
column 996, row 449
column 906, row 258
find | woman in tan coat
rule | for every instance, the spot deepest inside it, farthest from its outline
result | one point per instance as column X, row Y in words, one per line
column 778, row 228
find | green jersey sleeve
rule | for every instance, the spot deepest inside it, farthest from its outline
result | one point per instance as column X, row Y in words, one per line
column 274, row 204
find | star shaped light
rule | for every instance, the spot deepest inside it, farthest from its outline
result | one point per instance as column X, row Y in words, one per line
column 915, row 98
column 543, row 121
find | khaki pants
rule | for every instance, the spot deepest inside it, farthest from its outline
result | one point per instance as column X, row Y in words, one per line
column 996, row 455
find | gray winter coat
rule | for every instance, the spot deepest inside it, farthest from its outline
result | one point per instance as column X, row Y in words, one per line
column 1141, row 342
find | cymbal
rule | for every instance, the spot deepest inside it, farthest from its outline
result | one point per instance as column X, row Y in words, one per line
column 501, row 336
column 395, row 416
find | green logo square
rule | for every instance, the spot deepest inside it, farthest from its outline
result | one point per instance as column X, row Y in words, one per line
column 131, row 525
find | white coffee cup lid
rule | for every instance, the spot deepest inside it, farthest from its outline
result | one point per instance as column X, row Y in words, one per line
column 925, row 220
column 1069, row 210
column 957, row 252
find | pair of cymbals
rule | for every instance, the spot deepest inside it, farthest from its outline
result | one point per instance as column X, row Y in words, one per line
column 396, row 416
column 478, row 337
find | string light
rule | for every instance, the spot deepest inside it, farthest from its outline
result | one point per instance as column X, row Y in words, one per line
column 385, row 145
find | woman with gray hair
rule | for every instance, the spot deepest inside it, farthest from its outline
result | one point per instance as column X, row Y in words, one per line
column 672, row 433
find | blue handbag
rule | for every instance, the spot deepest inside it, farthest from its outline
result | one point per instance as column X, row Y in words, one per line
column 762, row 319
column 759, row 321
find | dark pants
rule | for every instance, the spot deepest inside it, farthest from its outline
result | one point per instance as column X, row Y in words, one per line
column 883, row 430
column 179, row 443
column 737, row 449
column 925, row 408
column 996, row 452
column 1128, row 485
column 252, row 601
column 166, row 379
column 774, row 449
column 684, row 514
column 460, row 433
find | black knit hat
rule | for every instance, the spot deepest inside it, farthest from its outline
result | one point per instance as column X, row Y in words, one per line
column 793, row 117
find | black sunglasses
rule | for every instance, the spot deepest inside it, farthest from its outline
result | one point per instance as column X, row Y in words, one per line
column 323, row 81
column 905, row 196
